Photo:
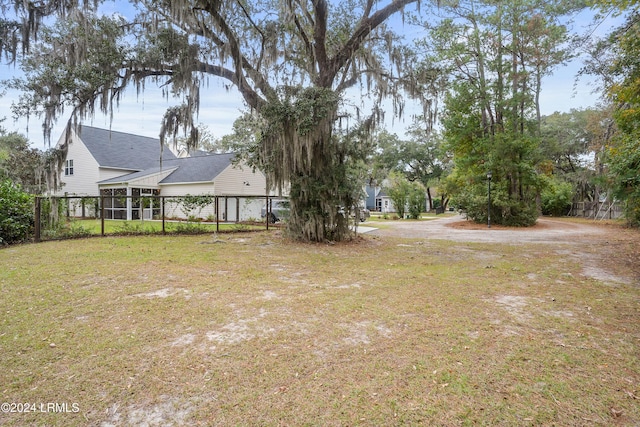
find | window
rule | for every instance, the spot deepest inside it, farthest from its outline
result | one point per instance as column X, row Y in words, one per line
column 145, row 203
column 115, row 203
column 68, row 168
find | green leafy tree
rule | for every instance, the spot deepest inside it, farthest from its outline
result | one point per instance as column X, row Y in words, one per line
column 624, row 150
column 406, row 195
column 16, row 213
column 572, row 146
column 556, row 197
column 496, row 55
column 420, row 158
column 291, row 61
column 616, row 60
column 34, row 170
column 398, row 190
column 245, row 137
column 416, row 200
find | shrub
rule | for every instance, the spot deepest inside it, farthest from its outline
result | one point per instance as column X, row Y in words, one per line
column 556, row 198
column 406, row 195
column 417, row 200
column 505, row 210
column 16, row 213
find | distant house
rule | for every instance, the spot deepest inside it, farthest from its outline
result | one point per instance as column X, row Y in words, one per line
column 371, row 192
column 384, row 203
column 116, row 164
column 378, row 200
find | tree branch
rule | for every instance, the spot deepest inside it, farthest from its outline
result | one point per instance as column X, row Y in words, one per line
column 319, row 39
column 365, row 27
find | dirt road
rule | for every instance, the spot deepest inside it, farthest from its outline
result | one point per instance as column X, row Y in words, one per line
column 609, row 252
column 456, row 228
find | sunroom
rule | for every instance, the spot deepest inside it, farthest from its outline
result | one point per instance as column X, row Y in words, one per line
column 131, row 203
column 133, row 196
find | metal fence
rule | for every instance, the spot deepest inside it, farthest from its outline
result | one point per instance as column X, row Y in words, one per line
column 112, row 214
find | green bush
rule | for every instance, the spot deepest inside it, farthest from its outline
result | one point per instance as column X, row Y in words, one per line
column 556, row 198
column 505, row 210
column 417, row 199
column 406, row 195
column 624, row 164
column 16, row 213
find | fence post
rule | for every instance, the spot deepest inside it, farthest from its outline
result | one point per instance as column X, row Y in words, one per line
column 102, row 215
column 217, row 209
column 162, row 213
column 38, row 212
column 266, row 211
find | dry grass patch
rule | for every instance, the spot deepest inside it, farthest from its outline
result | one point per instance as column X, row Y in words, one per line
column 248, row 329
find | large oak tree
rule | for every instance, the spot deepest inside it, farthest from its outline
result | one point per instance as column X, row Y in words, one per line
column 291, row 61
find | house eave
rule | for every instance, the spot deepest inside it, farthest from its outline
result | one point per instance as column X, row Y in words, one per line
column 185, row 183
column 115, row 168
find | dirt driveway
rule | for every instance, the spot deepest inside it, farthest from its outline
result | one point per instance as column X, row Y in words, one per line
column 608, row 251
column 458, row 229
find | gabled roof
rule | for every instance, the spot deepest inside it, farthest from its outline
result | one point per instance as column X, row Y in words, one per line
column 137, row 175
column 120, row 150
column 197, row 169
column 184, row 170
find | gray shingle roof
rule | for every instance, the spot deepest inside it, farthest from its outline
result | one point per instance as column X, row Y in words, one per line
column 141, row 154
column 186, row 170
column 122, row 150
column 197, row 169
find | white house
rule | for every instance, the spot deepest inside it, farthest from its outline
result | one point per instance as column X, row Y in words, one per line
column 101, row 162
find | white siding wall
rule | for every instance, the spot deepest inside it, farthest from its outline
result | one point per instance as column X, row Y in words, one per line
column 85, row 171
column 240, row 180
column 150, row 181
column 196, row 189
column 251, row 208
column 231, row 209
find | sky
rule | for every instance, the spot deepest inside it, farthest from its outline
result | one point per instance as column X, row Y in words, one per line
column 141, row 114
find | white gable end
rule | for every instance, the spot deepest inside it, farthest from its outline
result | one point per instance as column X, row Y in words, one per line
column 240, row 180
column 86, row 174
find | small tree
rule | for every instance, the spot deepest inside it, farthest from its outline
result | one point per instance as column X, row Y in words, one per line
column 191, row 206
column 417, row 199
column 406, row 195
column 398, row 191
column 16, row 213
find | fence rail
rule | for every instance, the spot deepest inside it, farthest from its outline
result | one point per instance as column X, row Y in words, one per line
column 77, row 216
column 596, row 210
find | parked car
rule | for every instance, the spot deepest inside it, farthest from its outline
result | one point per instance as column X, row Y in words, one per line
column 364, row 213
column 279, row 210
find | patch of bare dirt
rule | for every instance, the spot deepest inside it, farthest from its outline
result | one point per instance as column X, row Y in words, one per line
column 609, row 251
column 546, row 230
column 470, row 225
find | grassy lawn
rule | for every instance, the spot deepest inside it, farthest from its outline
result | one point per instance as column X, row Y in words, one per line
column 247, row 329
